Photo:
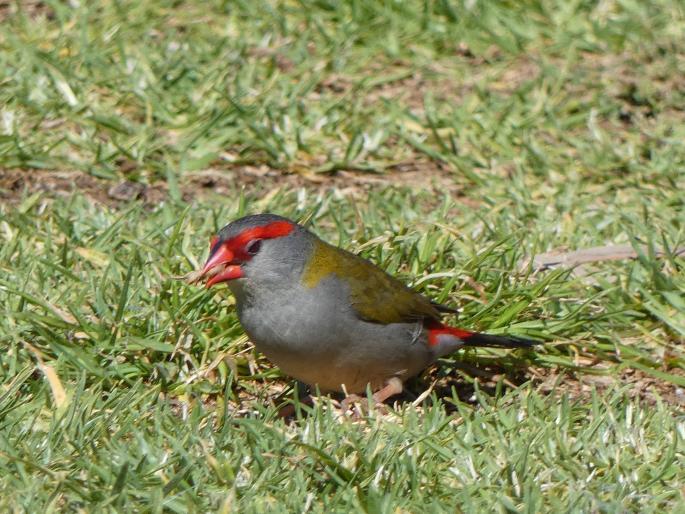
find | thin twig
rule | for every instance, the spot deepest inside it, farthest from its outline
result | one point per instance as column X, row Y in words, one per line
column 555, row 259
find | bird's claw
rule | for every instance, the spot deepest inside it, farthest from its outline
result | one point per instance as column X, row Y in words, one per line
column 358, row 406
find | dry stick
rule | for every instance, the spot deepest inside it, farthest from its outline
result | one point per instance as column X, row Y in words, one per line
column 555, row 259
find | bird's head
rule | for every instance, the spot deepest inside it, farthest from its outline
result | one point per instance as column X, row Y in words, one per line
column 261, row 248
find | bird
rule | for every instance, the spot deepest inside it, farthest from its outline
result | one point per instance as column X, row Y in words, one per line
column 327, row 317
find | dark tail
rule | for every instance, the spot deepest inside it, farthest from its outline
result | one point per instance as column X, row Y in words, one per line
column 453, row 337
column 476, row 339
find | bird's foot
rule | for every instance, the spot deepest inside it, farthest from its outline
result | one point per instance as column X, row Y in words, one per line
column 289, row 410
column 359, row 405
column 303, row 397
column 354, row 403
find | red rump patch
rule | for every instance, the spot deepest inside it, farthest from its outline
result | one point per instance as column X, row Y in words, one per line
column 269, row 231
column 434, row 333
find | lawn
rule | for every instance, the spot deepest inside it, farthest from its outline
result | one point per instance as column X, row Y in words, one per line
column 449, row 142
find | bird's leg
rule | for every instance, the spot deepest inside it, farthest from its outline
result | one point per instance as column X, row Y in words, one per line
column 392, row 387
column 303, row 397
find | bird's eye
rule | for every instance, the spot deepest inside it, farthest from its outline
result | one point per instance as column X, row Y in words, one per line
column 253, row 246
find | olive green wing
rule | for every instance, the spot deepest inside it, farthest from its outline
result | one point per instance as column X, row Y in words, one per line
column 374, row 295
column 381, row 298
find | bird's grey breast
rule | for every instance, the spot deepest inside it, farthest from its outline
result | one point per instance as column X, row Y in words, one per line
column 292, row 318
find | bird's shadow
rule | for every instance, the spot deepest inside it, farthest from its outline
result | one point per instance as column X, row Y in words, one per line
column 447, row 383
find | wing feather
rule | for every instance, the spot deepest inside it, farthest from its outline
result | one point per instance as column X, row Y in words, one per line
column 374, row 295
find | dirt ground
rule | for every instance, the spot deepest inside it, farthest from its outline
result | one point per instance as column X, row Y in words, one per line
column 15, row 183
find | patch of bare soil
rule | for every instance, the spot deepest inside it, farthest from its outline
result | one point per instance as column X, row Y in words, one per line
column 638, row 385
column 30, row 8
column 418, row 175
column 15, row 184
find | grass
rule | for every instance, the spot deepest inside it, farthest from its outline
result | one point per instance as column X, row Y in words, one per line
column 447, row 142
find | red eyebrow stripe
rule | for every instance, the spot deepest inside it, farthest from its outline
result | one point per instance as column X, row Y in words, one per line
column 268, row 231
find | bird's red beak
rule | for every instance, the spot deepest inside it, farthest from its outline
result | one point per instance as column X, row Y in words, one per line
column 219, row 268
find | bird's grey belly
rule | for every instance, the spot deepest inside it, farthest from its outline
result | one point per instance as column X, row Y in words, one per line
column 322, row 344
